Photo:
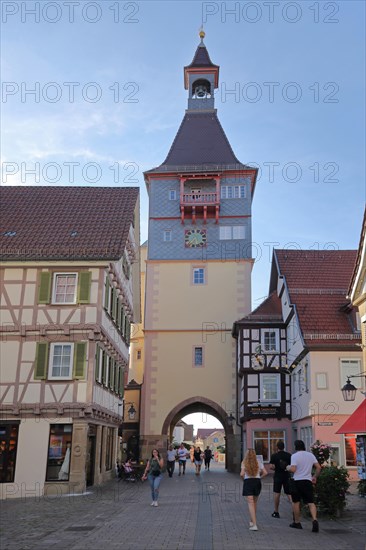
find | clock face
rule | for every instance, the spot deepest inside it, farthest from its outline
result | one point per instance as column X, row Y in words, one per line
column 195, row 238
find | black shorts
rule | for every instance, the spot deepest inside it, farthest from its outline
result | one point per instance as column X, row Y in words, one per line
column 281, row 480
column 252, row 487
column 302, row 490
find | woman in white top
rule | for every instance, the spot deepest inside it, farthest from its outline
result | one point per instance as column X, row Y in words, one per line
column 252, row 471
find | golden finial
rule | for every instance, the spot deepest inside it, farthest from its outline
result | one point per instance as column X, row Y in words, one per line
column 202, row 33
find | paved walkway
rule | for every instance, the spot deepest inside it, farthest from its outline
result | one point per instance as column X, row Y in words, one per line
column 194, row 513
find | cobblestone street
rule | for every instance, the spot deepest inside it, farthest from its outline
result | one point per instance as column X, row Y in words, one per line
column 194, row 513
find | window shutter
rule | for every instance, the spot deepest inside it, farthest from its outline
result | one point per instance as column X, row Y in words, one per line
column 44, row 293
column 106, row 293
column 80, row 360
column 40, row 370
column 114, row 305
column 118, row 315
column 104, row 367
column 123, row 328
column 84, row 283
column 121, row 383
column 97, row 363
column 128, row 330
column 116, row 372
column 111, row 374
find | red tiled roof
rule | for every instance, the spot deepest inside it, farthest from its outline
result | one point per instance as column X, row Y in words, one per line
column 55, row 223
column 269, row 310
column 203, row 433
column 317, row 282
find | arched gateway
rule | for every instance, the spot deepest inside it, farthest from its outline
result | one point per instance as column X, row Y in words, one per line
column 198, row 271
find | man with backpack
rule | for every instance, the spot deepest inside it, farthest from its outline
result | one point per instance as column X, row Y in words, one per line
column 279, row 462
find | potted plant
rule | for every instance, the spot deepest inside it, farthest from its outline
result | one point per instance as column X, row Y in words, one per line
column 331, row 489
column 361, row 488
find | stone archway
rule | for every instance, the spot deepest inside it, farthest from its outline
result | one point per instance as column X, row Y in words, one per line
column 202, row 404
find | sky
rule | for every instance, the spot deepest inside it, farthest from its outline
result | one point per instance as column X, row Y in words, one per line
column 93, row 94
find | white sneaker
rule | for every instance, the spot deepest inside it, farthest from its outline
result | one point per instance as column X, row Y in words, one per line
column 153, row 503
column 253, row 528
column 251, row 524
column 156, row 503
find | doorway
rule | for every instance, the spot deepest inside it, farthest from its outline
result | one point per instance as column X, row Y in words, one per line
column 90, row 457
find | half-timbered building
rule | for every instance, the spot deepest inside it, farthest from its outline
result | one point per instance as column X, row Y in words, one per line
column 69, row 292
column 295, row 352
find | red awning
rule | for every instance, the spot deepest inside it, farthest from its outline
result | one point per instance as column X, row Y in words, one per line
column 356, row 424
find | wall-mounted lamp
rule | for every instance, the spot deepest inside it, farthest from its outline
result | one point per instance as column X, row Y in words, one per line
column 349, row 390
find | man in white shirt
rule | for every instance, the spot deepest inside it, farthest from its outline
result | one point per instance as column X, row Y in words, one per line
column 170, row 460
column 182, row 457
column 302, row 463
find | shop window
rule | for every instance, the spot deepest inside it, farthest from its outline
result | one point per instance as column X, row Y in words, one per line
column 8, row 451
column 265, row 442
column 59, row 452
column 350, row 448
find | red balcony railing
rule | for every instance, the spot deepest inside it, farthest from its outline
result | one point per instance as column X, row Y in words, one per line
column 199, row 199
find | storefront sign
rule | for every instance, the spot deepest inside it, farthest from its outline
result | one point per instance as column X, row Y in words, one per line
column 262, row 411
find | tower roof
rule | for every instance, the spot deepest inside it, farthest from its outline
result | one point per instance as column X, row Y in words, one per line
column 201, row 58
column 200, row 143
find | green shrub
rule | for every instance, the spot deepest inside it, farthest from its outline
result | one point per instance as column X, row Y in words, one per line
column 331, row 488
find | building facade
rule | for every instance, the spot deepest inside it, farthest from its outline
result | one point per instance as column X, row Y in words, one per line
column 198, row 268
column 295, row 353
column 69, row 292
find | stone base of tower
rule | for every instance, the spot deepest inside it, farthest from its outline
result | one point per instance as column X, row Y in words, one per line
column 150, row 442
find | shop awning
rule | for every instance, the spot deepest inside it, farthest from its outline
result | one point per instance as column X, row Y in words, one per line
column 356, row 424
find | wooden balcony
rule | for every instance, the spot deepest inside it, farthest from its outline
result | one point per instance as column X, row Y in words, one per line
column 199, row 205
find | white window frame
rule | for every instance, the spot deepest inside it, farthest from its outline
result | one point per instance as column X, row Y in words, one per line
column 353, row 367
column 194, row 271
column 321, row 380
column 165, row 235
column 231, row 232
column 50, row 363
column 172, row 194
column 54, row 286
column 233, row 191
column 269, row 439
column 266, row 349
column 262, row 377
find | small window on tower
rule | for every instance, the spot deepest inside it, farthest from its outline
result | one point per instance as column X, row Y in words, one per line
column 168, row 235
column 199, row 276
column 198, row 357
column 172, row 195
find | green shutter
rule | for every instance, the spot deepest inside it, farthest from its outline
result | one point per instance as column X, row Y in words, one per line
column 114, row 305
column 40, row 370
column 128, row 331
column 79, row 360
column 106, row 293
column 104, row 367
column 123, row 329
column 121, row 382
column 84, row 283
column 97, row 363
column 44, row 291
column 118, row 316
column 116, row 371
column 111, row 373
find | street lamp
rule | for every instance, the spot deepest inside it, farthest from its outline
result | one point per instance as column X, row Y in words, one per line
column 230, row 420
column 131, row 411
column 349, row 390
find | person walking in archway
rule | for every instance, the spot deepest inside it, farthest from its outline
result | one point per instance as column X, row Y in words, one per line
column 170, row 460
column 252, row 471
column 182, row 459
column 208, row 457
column 198, row 458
